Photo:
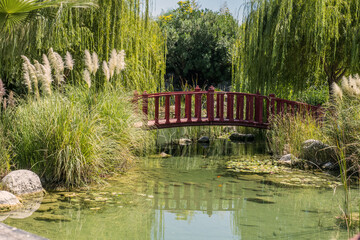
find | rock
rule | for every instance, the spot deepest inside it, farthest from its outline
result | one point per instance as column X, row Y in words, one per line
column 286, row 160
column 52, row 218
column 184, row 141
column 164, row 155
column 317, row 152
column 290, row 160
column 330, row 166
column 204, row 139
column 22, row 182
column 8, row 201
column 239, row 137
column 28, row 208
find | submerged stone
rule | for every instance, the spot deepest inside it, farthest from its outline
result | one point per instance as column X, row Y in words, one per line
column 164, row 155
column 259, row 200
column 184, row 141
column 52, row 218
column 204, row 139
column 239, row 137
column 8, row 201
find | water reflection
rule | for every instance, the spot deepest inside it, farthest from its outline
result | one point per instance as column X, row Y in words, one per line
column 191, row 196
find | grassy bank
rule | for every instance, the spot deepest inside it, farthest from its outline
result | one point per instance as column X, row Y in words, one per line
column 72, row 138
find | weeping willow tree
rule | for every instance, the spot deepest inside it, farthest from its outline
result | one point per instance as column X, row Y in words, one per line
column 287, row 45
column 119, row 24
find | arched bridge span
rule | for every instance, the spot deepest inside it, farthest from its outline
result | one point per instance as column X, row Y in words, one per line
column 201, row 108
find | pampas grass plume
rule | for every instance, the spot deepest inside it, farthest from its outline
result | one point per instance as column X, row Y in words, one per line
column 113, row 62
column 26, row 76
column 337, row 91
column 95, row 63
column 87, row 77
column 120, row 64
column 88, row 61
column 106, row 71
column 11, row 100
column 69, row 62
column 2, row 89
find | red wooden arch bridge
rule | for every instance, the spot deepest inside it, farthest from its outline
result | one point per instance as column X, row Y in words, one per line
column 201, row 108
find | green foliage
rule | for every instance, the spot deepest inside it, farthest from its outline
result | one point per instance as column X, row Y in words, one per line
column 342, row 124
column 199, row 44
column 4, row 153
column 118, row 24
column 314, row 95
column 289, row 132
column 73, row 138
column 288, row 45
column 15, row 12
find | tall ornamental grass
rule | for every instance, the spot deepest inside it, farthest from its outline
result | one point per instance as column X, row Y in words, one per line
column 74, row 138
column 288, row 132
column 343, row 122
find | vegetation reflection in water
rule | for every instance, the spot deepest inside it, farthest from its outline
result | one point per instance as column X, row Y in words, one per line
column 190, row 195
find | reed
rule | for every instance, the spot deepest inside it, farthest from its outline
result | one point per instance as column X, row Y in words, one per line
column 288, row 132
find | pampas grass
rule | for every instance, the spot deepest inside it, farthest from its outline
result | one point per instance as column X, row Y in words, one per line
column 60, row 139
column 87, row 77
column 106, row 71
column 95, row 63
column 2, row 90
column 69, row 62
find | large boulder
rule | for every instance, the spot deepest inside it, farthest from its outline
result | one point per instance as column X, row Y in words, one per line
column 317, row 152
column 239, row 137
column 8, row 201
column 22, row 182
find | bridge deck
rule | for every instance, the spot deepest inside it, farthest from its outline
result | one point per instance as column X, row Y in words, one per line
column 183, row 109
column 184, row 122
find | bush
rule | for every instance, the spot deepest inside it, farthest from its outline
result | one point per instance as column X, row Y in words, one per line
column 74, row 138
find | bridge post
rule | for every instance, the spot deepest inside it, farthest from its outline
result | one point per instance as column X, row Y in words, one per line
column 135, row 100
column 259, row 103
column 188, row 107
column 145, row 105
column 198, row 103
column 230, row 107
column 167, row 109
column 220, row 106
column 178, row 108
column 210, row 104
column 271, row 106
column 156, row 110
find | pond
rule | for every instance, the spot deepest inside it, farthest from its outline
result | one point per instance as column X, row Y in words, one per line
column 189, row 195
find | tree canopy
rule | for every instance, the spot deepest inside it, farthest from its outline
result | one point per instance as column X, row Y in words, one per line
column 286, row 45
column 120, row 24
column 199, row 44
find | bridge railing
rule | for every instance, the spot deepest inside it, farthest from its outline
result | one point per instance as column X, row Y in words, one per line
column 194, row 108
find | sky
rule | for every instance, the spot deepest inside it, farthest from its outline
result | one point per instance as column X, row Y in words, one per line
column 233, row 5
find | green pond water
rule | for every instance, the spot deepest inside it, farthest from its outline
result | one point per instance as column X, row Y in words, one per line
column 190, row 195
